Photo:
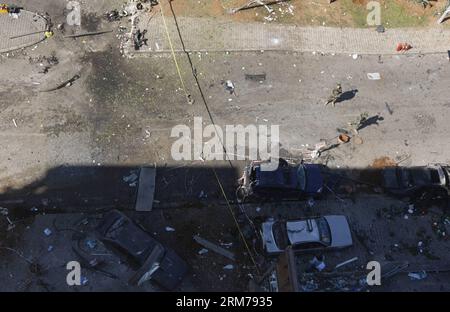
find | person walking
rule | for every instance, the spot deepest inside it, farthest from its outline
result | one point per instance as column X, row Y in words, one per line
column 335, row 94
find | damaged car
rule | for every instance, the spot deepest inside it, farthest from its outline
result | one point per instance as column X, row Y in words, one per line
column 321, row 233
column 415, row 181
column 150, row 259
column 293, row 181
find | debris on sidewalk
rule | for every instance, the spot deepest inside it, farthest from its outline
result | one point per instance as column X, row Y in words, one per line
column 131, row 179
column 203, row 251
column 318, row 263
column 229, row 86
column 255, row 77
column 5, row 212
column 343, row 138
column 202, row 195
column 374, row 76
column 380, row 29
column 416, row 276
column 255, row 4
column 86, row 34
column 139, row 39
column 346, row 262
column 211, row 246
column 403, row 47
column 67, row 83
column 114, row 15
column 445, row 14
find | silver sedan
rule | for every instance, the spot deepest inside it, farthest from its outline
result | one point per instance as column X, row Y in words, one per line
column 326, row 232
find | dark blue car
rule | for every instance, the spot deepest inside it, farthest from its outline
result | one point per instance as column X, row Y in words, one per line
column 287, row 181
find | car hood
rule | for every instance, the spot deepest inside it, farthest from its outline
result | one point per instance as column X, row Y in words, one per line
column 340, row 231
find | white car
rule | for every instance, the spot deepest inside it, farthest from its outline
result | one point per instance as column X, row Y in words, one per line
column 326, row 232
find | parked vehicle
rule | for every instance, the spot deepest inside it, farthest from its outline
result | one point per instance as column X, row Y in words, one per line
column 409, row 181
column 328, row 232
column 286, row 181
column 148, row 257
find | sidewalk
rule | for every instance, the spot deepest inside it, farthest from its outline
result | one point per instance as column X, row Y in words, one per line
column 27, row 22
column 202, row 34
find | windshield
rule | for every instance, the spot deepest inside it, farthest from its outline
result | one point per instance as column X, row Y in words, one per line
column 301, row 175
column 324, row 231
column 279, row 234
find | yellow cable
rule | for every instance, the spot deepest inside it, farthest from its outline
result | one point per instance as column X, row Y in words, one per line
column 215, row 173
column 235, row 220
column 188, row 97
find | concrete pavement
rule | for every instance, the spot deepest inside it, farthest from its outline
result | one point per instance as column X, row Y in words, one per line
column 205, row 34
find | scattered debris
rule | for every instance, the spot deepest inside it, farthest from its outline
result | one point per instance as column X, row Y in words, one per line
column 126, row 238
column 373, row 76
column 403, row 47
column 228, row 267
column 203, row 251
column 170, row 229
column 255, row 77
column 27, row 34
column 84, row 280
column 139, row 39
column 417, row 275
column 211, row 246
column 255, row 4
column 357, row 140
column 91, row 243
column 343, row 138
column 229, row 86
column 318, row 263
column 444, row 14
column 67, row 83
column 48, row 232
column 114, row 15
column 146, row 189
column 380, row 29
column 95, row 33
column 346, row 262
column 389, row 109
column 202, row 195
column 131, row 179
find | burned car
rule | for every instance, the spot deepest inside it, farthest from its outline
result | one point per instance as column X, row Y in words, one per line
column 321, row 233
column 414, row 181
column 148, row 257
column 284, row 181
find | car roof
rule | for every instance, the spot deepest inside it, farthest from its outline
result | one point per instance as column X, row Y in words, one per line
column 298, row 232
